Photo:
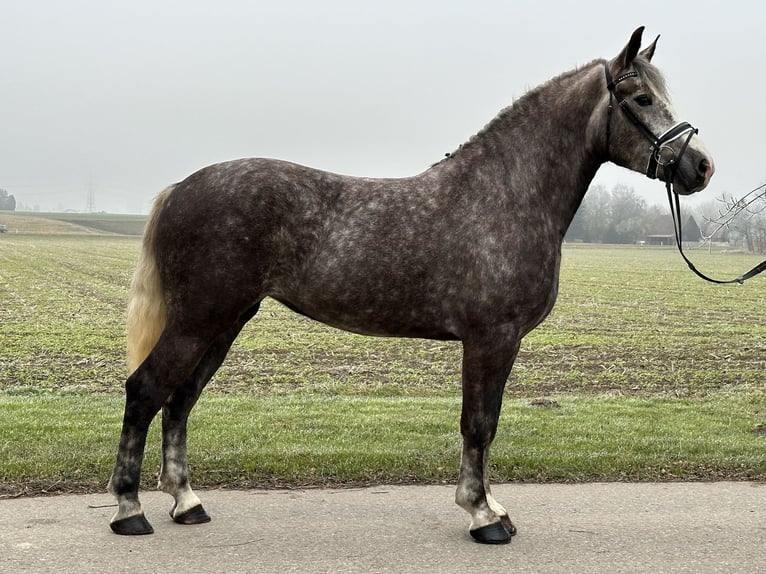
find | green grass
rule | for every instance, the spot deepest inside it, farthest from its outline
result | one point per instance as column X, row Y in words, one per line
column 658, row 376
column 281, row 441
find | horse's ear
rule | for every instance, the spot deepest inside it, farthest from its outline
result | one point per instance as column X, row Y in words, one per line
column 630, row 51
column 649, row 52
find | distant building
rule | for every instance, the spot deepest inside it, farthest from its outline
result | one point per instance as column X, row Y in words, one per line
column 660, row 240
column 690, row 233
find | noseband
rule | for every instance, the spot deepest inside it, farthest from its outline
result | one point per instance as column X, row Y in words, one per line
column 663, row 156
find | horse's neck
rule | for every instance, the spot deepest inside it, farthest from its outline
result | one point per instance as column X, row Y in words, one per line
column 538, row 150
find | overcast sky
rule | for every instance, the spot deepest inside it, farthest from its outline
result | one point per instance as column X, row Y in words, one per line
column 125, row 98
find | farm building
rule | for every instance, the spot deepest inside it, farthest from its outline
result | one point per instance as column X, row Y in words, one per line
column 660, row 240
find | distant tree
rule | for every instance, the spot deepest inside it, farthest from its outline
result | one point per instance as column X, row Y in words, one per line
column 658, row 221
column 576, row 230
column 621, row 216
column 740, row 220
column 627, row 216
column 7, row 201
column 708, row 215
column 592, row 218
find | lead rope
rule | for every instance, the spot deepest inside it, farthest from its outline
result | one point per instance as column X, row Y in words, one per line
column 675, row 211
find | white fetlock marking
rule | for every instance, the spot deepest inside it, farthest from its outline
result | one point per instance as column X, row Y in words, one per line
column 127, row 509
column 496, row 507
column 171, row 475
column 482, row 517
column 487, row 511
column 185, row 500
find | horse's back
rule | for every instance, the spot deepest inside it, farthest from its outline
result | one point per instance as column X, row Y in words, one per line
column 414, row 256
column 328, row 245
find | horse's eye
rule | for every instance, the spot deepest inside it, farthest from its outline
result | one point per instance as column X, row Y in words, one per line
column 643, row 100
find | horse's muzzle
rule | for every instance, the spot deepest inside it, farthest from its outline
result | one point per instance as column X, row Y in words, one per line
column 692, row 172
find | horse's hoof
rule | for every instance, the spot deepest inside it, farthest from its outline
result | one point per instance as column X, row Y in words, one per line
column 195, row 515
column 505, row 520
column 494, row 533
column 132, row 526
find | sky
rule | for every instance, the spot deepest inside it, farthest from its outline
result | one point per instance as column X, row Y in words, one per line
column 116, row 100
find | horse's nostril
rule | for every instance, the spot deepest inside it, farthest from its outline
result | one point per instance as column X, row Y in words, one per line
column 704, row 166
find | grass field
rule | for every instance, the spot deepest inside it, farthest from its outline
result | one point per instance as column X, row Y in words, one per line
column 72, row 223
column 642, row 372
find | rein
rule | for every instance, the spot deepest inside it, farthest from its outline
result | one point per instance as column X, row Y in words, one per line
column 669, row 165
column 675, row 211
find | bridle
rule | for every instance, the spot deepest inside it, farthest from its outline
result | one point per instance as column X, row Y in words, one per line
column 663, row 156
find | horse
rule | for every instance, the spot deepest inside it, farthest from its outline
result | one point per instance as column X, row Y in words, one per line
column 468, row 250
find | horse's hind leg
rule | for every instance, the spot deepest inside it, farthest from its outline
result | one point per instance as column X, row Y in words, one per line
column 486, row 366
column 168, row 366
column 174, row 476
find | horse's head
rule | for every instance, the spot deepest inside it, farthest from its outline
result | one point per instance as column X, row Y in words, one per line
column 643, row 133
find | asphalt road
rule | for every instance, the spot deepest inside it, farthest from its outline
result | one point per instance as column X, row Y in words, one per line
column 701, row 528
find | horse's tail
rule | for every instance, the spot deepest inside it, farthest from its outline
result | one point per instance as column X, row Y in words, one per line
column 146, row 308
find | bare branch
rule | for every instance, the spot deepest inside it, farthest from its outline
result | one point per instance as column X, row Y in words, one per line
column 741, row 215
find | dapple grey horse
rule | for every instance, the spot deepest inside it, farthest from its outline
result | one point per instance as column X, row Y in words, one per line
column 468, row 250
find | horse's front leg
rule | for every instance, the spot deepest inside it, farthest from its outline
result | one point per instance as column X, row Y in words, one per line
column 486, row 365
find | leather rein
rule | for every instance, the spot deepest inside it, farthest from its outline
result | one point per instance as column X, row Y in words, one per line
column 663, row 156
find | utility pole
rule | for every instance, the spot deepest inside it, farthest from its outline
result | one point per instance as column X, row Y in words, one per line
column 91, row 202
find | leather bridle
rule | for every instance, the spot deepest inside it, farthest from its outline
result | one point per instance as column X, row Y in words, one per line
column 663, row 156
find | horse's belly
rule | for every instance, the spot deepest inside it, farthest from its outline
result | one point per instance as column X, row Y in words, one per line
column 388, row 320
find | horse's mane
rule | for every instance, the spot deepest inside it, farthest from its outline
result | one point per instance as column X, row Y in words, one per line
column 649, row 73
column 517, row 106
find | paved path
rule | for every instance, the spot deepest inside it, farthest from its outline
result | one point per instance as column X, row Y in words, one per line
column 600, row 528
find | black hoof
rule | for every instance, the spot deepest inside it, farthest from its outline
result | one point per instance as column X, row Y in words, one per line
column 494, row 533
column 132, row 526
column 505, row 520
column 195, row 515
